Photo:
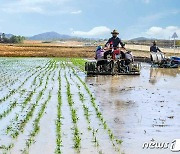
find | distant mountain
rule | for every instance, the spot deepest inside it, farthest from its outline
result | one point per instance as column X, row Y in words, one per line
column 140, row 39
column 49, row 36
column 7, row 35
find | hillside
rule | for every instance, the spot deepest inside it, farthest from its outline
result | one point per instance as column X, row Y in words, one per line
column 48, row 36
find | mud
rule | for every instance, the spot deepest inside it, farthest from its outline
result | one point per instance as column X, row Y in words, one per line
column 141, row 108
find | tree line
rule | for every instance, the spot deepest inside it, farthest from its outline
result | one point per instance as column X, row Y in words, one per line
column 12, row 39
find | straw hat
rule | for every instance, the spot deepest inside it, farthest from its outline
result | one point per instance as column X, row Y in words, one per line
column 114, row 32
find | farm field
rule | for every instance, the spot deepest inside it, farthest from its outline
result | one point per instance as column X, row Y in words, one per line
column 68, row 49
column 49, row 105
column 47, row 108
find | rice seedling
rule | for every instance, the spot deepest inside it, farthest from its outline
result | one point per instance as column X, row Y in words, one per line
column 36, row 127
column 58, row 121
column 76, row 132
column 6, row 112
column 98, row 113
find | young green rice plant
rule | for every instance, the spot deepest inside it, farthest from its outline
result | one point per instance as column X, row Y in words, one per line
column 87, row 115
column 21, row 125
column 76, row 132
column 98, row 113
column 27, row 117
column 12, row 92
column 6, row 112
column 36, row 126
column 6, row 148
column 79, row 62
column 58, row 121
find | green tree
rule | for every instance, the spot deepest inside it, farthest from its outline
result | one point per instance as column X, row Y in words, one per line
column 16, row 39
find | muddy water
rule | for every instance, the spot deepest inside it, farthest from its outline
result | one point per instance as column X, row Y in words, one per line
column 141, row 108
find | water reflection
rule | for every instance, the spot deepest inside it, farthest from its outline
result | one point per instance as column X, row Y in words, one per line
column 158, row 73
column 132, row 105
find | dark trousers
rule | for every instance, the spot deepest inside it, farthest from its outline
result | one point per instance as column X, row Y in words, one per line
column 127, row 61
column 109, row 52
column 101, row 62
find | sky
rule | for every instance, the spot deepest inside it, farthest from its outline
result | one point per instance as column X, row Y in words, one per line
column 91, row 18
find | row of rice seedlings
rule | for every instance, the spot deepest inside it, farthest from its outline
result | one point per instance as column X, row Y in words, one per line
column 30, row 113
column 28, row 99
column 22, row 123
column 87, row 114
column 11, row 145
column 17, row 75
column 41, row 70
column 36, row 126
column 79, row 62
column 14, row 104
column 49, row 67
column 76, row 132
column 99, row 114
column 6, row 112
column 41, row 73
column 58, row 121
column 35, row 79
column 6, row 149
column 12, row 92
column 63, row 65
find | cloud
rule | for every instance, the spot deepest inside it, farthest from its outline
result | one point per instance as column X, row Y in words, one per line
column 163, row 33
column 76, row 12
column 94, row 32
column 48, row 7
column 144, row 22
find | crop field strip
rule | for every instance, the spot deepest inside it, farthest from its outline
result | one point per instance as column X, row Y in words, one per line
column 79, row 125
column 4, row 98
column 15, row 133
column 17, row 73
column 14, row 103
column 115, row 142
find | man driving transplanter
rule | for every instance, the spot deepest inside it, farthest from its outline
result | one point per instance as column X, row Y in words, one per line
column 113, row 42
column 154, row 47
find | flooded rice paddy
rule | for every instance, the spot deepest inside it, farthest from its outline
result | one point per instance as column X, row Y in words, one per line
column 50, row 106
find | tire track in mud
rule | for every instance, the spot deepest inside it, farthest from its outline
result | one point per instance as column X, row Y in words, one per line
column 29, row 114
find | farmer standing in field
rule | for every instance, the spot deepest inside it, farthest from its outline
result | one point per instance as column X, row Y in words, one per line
column 113, row 42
